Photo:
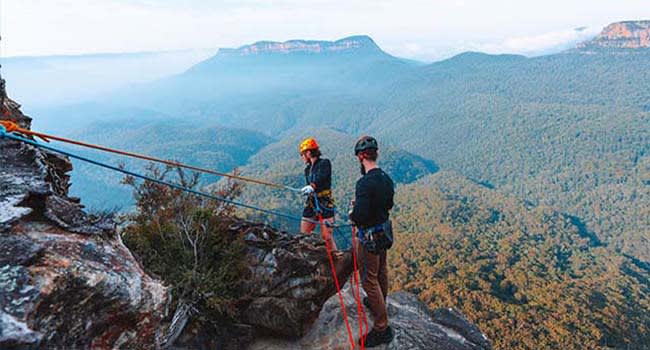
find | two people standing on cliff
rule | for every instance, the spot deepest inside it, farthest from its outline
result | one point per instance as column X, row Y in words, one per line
column 370, row 213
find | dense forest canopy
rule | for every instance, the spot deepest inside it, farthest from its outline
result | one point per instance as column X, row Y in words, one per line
column 218, row 148
column 538, row 225
column 530, row 276
column 568, row 130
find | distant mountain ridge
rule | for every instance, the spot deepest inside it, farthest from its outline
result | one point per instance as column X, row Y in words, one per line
column 541, row 128
column 349, row 44
column 560, row 139
column 621, row 35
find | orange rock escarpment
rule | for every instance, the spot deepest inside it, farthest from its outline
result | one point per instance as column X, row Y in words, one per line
column 622, row 35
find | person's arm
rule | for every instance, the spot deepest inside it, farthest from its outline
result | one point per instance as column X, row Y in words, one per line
column 361, row 209
column 391, row 193
column 309, row 189
column 322, row 175
column 306, row 173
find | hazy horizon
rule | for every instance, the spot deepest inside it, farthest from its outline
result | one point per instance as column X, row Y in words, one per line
column 420, row 30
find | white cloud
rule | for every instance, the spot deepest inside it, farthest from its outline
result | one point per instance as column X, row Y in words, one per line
column 541, row 43
column 531, row 45
column 422, row 29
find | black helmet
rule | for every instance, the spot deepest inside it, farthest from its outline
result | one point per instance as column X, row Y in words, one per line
column 365, row 143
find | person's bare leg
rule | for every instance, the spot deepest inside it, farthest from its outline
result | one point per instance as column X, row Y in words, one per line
column 307, row 227
column 327, row 232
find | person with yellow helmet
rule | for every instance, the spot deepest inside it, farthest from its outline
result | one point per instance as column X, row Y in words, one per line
column 318, row 178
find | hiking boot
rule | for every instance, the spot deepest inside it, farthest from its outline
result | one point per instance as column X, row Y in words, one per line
column 376, row 338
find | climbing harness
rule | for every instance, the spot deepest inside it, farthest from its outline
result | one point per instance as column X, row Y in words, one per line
column 12, row 127
column 377, row 238
column 324, row 197
column 8, row 128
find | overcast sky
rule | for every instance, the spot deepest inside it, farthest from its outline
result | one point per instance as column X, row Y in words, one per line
column 424, row 30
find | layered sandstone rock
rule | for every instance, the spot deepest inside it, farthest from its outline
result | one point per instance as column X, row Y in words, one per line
column 66, row 280
column 350, row 44
column 621, row 35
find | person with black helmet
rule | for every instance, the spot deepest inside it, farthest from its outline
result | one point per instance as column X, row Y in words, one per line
column 370, row 213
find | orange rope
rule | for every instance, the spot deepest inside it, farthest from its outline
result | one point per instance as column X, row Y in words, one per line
column 9, row 125
column 13, row 127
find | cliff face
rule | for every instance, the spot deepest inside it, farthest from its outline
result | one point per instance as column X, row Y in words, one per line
column 288, row 282
column 289, row 303
column 350, row 44
column 67, row 280
column 416, row 327
column 621, row 35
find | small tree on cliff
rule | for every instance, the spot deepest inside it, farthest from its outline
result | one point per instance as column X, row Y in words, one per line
column 183, row 239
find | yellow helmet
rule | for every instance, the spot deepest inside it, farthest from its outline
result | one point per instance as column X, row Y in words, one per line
column 308, row 144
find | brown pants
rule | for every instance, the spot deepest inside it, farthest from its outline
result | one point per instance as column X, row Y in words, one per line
column 375, row 283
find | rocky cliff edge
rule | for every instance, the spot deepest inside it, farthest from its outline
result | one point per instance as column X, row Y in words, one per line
column 67, row 281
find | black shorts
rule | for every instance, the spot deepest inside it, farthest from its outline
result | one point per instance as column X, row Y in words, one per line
column 326, row 205
column 310, row 213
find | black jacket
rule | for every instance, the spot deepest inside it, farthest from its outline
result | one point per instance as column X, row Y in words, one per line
column 373, row 199
column 319, row 174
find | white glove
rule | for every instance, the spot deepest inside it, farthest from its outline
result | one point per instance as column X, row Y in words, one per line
column 307, row 190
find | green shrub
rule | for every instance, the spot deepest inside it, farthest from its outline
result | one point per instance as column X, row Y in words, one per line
column 183, row 239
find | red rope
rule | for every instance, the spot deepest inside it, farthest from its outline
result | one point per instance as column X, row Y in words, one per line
column 360, row 309
column 357, row 298
column 336, row 282
column 11, row 126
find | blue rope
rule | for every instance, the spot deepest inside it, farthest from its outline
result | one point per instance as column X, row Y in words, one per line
column 346, row 239
column 317, row 205
column 4, row 134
